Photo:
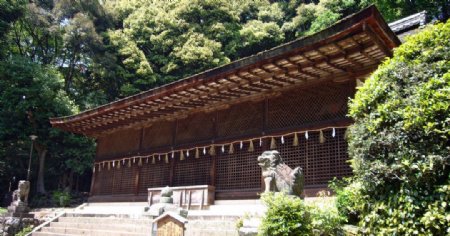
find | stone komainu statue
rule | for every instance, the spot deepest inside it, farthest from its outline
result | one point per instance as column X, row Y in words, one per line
column 21, row 194
column 278, row 177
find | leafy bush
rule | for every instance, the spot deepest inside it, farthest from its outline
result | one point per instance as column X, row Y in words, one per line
column 25, row 230
column 325, row 218
column 61, row 198
column 286, row 215
column 348, row 200
column 399, row 143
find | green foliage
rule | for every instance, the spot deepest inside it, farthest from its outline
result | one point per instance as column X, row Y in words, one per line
column 326, row 219
column 25, row 231
column 399, row 142
column 286, row 215
column 3, row 210
column 348, row 201
column 61, row 198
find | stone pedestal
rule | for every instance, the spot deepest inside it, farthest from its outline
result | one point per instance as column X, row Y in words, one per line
column 166, row 205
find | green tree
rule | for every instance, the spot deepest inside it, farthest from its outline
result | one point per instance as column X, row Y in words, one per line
column 29, row 94
column 399, row 143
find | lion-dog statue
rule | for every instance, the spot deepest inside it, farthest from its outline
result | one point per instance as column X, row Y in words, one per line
column 278, row 177
column 22, row 191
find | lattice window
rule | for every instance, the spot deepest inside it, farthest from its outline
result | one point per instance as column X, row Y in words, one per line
column 192, row 171
column 158, row 135
column 309, row 105
column 238, row 171
column 154, row 175
column 103, row 181
column 124, row 179
column 321, row 162
column 197, row 127
column 242, row 119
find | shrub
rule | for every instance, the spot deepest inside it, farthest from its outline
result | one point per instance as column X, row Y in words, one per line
column 61, row 198
column 325, row 218
column 286, row 215
column 348, row 200
column 25, row 231
column 399, row 143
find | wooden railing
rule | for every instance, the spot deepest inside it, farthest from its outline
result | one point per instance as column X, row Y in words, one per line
column 197, row 196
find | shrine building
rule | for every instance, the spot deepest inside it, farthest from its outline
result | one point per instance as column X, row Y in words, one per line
column 209, row 128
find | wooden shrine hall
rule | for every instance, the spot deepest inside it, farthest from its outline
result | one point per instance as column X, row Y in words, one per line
column 209, row 128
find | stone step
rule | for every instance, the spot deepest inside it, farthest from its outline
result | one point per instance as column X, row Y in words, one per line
column 113, row 227
column 209, row 232
column 92, row 232
column 216, row 224
column 50, row 234
column 105, row 220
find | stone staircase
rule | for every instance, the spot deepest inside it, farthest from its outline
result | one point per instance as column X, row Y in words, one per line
column 87, row 224
column 120, row 219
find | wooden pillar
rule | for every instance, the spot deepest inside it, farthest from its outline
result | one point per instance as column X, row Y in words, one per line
column 212, row 171
column 265, row 115
column 172, row 170
column 94, row 173
column 137, row 172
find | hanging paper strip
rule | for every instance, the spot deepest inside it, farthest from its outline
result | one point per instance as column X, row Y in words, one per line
column 295, row 142
column 306, row 135
column 153, row 160
column 273, row 144
column 129, row 163
column 251, row 148
column 181, row 155
column 93, row 169
column 223, row 148
column 204, row 150
column 118, row 165
column 166, row 158
column 109, row 165
column 282, row 139
column 231, row 150
column 333, row 133
column 197, row 153
column 187, row 153
column 212, row 151
column 260, row 142
column 241, row 145
column 321, row 137
column 140, row 162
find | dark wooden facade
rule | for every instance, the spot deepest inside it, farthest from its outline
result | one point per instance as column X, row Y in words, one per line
column 301, row 86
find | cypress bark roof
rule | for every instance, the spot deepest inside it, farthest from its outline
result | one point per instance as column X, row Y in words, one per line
column 350, row 49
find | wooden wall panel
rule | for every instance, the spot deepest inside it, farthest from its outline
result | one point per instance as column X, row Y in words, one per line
column 158, row 135
column 198, row 127
column 241, row 119
column 118, row 144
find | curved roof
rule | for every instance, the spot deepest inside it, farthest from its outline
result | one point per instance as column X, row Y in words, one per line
column 350, row 48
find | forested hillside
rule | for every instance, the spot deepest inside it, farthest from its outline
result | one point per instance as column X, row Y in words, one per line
column 58, row 57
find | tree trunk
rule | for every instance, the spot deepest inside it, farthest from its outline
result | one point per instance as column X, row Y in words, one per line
column 42, row 153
